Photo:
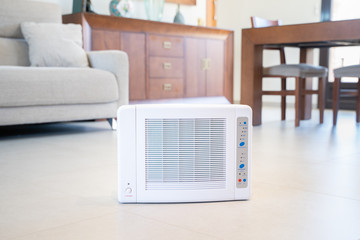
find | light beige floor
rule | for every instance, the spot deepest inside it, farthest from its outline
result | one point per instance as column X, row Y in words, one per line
column 58, row 181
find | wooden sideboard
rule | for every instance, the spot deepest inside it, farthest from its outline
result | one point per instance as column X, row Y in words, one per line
column 166, row 60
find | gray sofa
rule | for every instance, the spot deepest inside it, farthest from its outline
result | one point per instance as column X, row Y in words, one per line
column 31, row 94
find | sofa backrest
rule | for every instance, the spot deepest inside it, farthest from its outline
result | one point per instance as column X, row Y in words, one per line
column 14, row 52
column 13, row 48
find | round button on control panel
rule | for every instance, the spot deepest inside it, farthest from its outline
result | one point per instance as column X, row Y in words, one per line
column 128, row 190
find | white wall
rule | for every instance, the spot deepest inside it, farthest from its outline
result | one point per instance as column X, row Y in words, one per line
column 235, row 15
column 190, row 13
column 66, row 5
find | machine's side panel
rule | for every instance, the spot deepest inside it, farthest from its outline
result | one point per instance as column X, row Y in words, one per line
column 126, row 134
column 243, row 133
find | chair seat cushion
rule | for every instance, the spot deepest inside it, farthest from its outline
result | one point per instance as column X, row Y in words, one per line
column 348, row 71
column 295, row 70
column 34, row 86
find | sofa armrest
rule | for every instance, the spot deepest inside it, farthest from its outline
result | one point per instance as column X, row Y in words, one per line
column 116, row 62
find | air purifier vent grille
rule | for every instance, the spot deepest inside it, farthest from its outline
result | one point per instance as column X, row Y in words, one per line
column 185, row 154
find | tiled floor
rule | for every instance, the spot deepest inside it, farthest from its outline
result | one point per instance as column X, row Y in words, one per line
column 58, row 181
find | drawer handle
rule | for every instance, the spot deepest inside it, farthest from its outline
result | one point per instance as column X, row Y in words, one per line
column 205, row 63
column 167, row 86
column 167, row 45
column 167, row 65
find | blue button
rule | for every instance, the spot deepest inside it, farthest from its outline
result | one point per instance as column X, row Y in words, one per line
column 242, row 166
column 244, row 122
column 242, row 144
column 244, row 180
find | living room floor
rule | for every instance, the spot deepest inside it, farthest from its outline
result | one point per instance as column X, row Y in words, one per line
column 58, row 181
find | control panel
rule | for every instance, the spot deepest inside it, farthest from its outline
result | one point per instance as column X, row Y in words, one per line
column 242, row 152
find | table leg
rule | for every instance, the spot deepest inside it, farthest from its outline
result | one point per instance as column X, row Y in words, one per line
column 251, row 80
column 306, row 56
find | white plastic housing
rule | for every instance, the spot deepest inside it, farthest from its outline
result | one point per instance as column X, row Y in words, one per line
column 184, row 153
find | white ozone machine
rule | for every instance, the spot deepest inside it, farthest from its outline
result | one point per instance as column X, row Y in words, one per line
column 184, row 153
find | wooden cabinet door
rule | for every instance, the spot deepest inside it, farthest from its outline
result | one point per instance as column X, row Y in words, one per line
column 195, row 77
column 215, row 77
column 105, row 39
column 134, row 45
column 204, row 67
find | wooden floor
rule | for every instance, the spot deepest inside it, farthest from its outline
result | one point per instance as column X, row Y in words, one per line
column 58, row 181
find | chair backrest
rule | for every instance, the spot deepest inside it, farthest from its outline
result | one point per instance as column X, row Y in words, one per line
column 13, row 48
column 258, row 22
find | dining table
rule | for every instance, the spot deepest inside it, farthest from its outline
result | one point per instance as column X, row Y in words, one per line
column 306, row 37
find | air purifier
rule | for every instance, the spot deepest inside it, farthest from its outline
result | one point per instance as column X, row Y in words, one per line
column 184, row 153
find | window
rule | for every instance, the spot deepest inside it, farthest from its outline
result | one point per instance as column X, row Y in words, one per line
column 344, row 56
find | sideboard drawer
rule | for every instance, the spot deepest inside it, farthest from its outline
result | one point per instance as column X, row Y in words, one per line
column 166, row 88
column 166, row 46
column 162, row 67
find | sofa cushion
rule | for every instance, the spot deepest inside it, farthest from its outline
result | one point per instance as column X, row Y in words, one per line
column 54, row 45
column 30, row 86
column 14, row 52
column 14, row 12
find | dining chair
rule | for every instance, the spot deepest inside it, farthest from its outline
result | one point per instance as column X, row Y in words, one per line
column 348, row 71
column 298, row 71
